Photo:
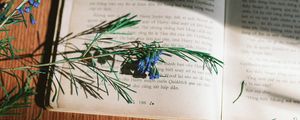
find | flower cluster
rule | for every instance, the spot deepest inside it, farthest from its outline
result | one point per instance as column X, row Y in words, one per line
column 27, row 8
column 147, row 65
column 144, row 66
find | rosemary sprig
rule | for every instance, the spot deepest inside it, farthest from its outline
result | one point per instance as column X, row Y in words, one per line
column 139, row 60
column 19, row 96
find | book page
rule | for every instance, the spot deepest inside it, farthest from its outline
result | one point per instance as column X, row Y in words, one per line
column 185, row 90
column 262, row 48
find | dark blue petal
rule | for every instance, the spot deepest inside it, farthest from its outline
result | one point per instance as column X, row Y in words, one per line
column 141, row 66
column 157, row 76
column 32, row 20
column 151, row 76
column 21, row 11
column 154, row 76
column 27, row 9
column 148, row 64
column 156, row 59
column 147, row 59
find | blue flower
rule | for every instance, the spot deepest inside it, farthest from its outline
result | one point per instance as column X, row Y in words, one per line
column 27, row 9
column 36, row 4
column 32, row 20
column 141, row 66
column 31, row 2
column 147, row 65
column 21, row 11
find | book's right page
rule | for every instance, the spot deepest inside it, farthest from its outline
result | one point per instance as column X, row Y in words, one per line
column 262, row 48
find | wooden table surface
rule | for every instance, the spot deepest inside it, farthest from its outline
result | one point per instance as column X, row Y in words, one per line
column 31, row 39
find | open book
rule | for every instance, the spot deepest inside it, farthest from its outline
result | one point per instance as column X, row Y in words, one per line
column 258, row 40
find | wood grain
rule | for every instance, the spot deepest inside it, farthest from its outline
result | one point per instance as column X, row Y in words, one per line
column 31, row 39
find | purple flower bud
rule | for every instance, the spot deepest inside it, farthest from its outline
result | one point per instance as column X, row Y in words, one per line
column 151, row 75
column 32, row 20
column 27, row 9
column 148, row 64
column 141, row 66
column 21, row 11
column 36, row 4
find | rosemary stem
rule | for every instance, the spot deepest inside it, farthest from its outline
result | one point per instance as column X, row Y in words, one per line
column 54, row 63
column 98, row 35
column 74, row 59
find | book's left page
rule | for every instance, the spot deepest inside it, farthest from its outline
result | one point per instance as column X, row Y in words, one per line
column 185, row 90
